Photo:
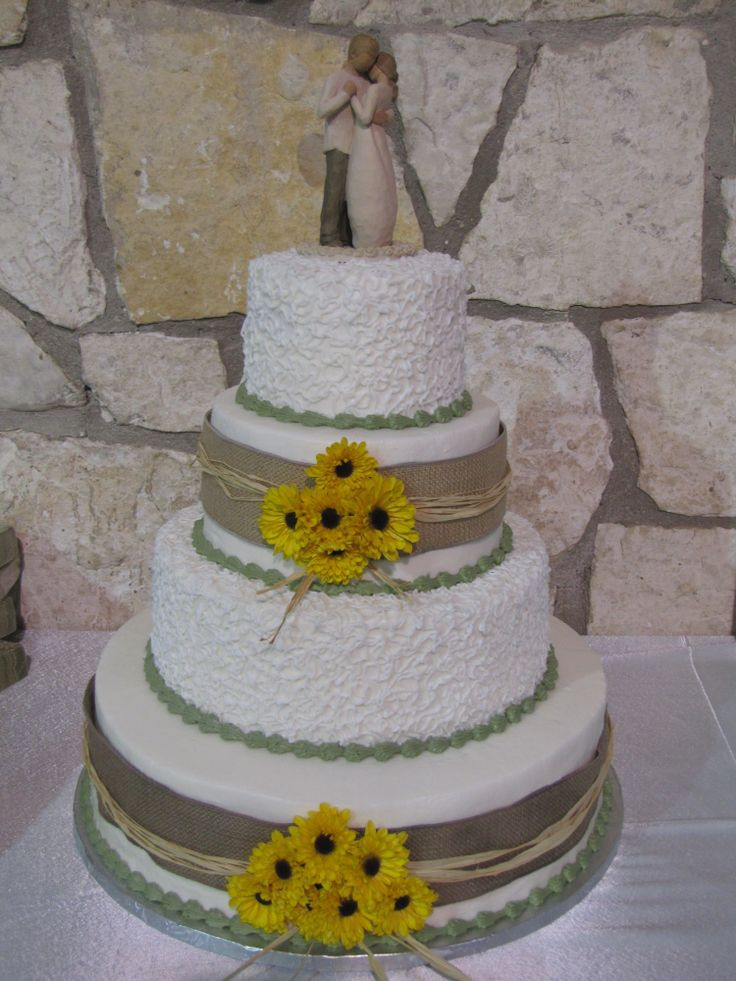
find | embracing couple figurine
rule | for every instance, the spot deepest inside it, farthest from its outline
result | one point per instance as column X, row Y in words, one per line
column 360, row 201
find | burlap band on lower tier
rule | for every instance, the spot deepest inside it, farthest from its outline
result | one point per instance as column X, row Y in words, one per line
column 465, row 477
column 226, row 838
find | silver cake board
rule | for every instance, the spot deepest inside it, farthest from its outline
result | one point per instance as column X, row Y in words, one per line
column 474, row 941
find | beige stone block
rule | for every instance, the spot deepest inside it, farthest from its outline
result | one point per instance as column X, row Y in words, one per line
column 12, row 21
column 728, row 255
column 450, row 92
column 209, row 147
column 152, row 380
column 370, row 13
column 675, row 379
column 663, row 580
column 541, row 375
column 44, row 259
column 29, row 377
column 599, row 195
column 87, row 514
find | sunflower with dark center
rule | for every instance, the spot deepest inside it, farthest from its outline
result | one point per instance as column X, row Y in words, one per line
column 377, row 859
column 343, row 467
column 386, row 519
column 274, row 863
column 325, row 519
column 278, row 522
column 336, row 917
column 404, row 906
column 321, row 842
column 255, row 903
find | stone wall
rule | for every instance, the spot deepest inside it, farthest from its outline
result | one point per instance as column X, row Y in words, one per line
column 578, row 156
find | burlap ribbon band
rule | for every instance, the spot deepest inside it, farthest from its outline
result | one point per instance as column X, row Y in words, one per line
column 478, row 476
column 220, row 835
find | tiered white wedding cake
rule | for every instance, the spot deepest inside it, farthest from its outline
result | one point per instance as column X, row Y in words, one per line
column 423, row 691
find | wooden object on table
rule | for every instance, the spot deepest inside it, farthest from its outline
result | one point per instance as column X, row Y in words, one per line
column 13, row 660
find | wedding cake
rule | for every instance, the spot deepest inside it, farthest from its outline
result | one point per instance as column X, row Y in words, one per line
column 407, row 672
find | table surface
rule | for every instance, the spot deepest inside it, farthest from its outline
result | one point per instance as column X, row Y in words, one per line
column 666, row 908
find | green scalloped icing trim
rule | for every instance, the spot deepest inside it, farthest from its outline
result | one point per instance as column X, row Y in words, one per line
column 352, row 752
column 192, row 914
column 345, row 420
column 363, row 587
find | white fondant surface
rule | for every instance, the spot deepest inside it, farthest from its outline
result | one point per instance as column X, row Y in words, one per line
column 210, row 898
column 560, row 735
column 354, row 334
column 407, row 567
column 474, row 431
column 349, row 668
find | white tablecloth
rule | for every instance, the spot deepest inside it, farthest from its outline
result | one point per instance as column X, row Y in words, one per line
column 666, row 908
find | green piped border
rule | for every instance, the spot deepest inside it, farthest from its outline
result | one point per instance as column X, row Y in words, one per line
column 363, row 587
column 192, row 914
column 345, row 420
column 352, row 752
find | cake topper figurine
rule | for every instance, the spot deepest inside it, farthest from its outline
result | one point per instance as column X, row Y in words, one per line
column 360, row 202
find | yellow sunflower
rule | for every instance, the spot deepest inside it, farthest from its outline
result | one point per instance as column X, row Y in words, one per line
column 273, row 863
column 386, row 519
column 334, row 917
column 326, row 520
column 376, row 860
column 404, row 907
column 278, row 522
column 337, row 566
column 343, row 466
column 255, row 903
column 321, row 841
column 307, row 916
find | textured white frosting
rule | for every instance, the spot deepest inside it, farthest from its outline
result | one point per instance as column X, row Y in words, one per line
column 363, row 335
column 349, row 668
column 440, row 441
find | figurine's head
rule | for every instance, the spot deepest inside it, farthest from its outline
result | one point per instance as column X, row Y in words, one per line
column 362, row 52
column 384, row 70
column 386, row 64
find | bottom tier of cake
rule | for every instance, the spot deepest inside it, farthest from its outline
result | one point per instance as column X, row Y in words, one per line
column 523, row 784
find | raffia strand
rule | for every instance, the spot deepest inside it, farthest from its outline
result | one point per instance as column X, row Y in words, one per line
column 286, row 581
column 274, row 945
column 233, row 483
column 299, row 593
column 186, row 858
column 456, row 869
column 381, row 576
column 434, row 961
column 373, row 962
column 454, row 506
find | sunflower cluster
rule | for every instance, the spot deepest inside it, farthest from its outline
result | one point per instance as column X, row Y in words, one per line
column 330, row 883
column 351, row 515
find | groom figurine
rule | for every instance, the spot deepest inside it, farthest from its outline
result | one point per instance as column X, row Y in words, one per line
column 334, row 108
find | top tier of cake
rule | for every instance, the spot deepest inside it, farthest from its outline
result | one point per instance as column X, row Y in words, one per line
column 339, row 333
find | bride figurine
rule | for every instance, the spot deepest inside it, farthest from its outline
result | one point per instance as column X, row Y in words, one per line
column 371, row 185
